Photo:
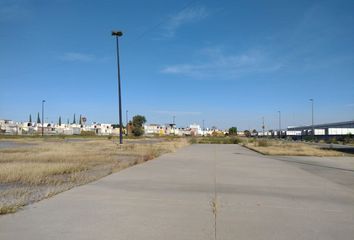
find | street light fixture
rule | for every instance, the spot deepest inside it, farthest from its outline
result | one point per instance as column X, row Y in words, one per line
column 118, row 34
column 313, row 129
column 43, row 101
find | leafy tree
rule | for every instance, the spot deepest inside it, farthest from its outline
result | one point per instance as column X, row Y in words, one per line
column 138, row 122
column 30, row 118
column 247, row 133
column 138, row 131
column 38, row 118
column 233, row 131
column 59, row 120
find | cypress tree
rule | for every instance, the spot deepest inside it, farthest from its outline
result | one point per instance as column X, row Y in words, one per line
column 74, row 122
column 80, row 121
column 30, row 118
column 59, row 120
column 38, row 118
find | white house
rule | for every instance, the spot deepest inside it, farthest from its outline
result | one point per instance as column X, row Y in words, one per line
column 195, row 129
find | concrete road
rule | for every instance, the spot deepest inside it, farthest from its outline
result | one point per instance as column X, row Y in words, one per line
column 200, row 192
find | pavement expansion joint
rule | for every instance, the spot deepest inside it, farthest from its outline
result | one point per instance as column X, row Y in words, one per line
column 214, row 208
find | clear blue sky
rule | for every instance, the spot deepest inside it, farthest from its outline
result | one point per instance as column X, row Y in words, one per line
column 228, row 62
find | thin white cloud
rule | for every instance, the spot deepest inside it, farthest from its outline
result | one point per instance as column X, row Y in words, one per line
column 186, row 16
column 176, row 113
column 77, row 57
column 218, row 64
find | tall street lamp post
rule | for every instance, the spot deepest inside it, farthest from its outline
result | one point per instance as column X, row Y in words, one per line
column 118, row 34
column 43, row 101
column 312, row 122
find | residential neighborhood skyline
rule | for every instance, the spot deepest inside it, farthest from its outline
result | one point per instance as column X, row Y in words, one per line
column 179, row 58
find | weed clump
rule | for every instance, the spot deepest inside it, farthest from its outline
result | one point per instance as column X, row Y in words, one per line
column 263, row 143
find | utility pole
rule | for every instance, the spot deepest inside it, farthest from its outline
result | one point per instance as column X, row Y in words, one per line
column 203, row 127
column 313, row 128
column 126, row 120
column 43, row 101
column 279, row 124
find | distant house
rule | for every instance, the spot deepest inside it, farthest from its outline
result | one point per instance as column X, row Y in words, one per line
column 153, row 129
column 9, row 127
column 195, row 129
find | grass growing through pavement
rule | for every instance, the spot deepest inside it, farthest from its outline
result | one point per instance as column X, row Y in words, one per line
column 43, row 168
column 277, row 147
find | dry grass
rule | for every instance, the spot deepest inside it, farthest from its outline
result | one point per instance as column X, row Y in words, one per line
column 276, row 147
column 47, row 167
column 36, row 172
column 5, row 209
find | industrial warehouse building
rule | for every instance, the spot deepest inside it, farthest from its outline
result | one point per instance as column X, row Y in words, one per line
column 328, row 129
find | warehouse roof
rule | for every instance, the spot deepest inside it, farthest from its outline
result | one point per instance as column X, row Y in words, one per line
column 347, row 124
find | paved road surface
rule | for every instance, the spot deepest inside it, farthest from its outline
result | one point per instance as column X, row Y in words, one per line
column 201, row 192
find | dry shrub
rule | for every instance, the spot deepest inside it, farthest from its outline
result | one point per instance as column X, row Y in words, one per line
column 274, row 147
column 12, row 208
column 262, row 143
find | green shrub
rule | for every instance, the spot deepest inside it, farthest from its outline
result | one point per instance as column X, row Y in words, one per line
column 193, row 141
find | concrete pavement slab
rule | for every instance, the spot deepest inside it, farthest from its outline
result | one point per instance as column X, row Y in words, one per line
column 264, row 198
column 199, row 192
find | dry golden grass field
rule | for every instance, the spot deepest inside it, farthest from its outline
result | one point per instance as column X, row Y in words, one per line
column 286, row 148
column 40, row 168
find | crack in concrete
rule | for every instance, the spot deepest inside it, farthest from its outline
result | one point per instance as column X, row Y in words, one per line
column 214, row 209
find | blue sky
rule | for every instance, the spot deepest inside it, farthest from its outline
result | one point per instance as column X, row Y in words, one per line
column 227, row 62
